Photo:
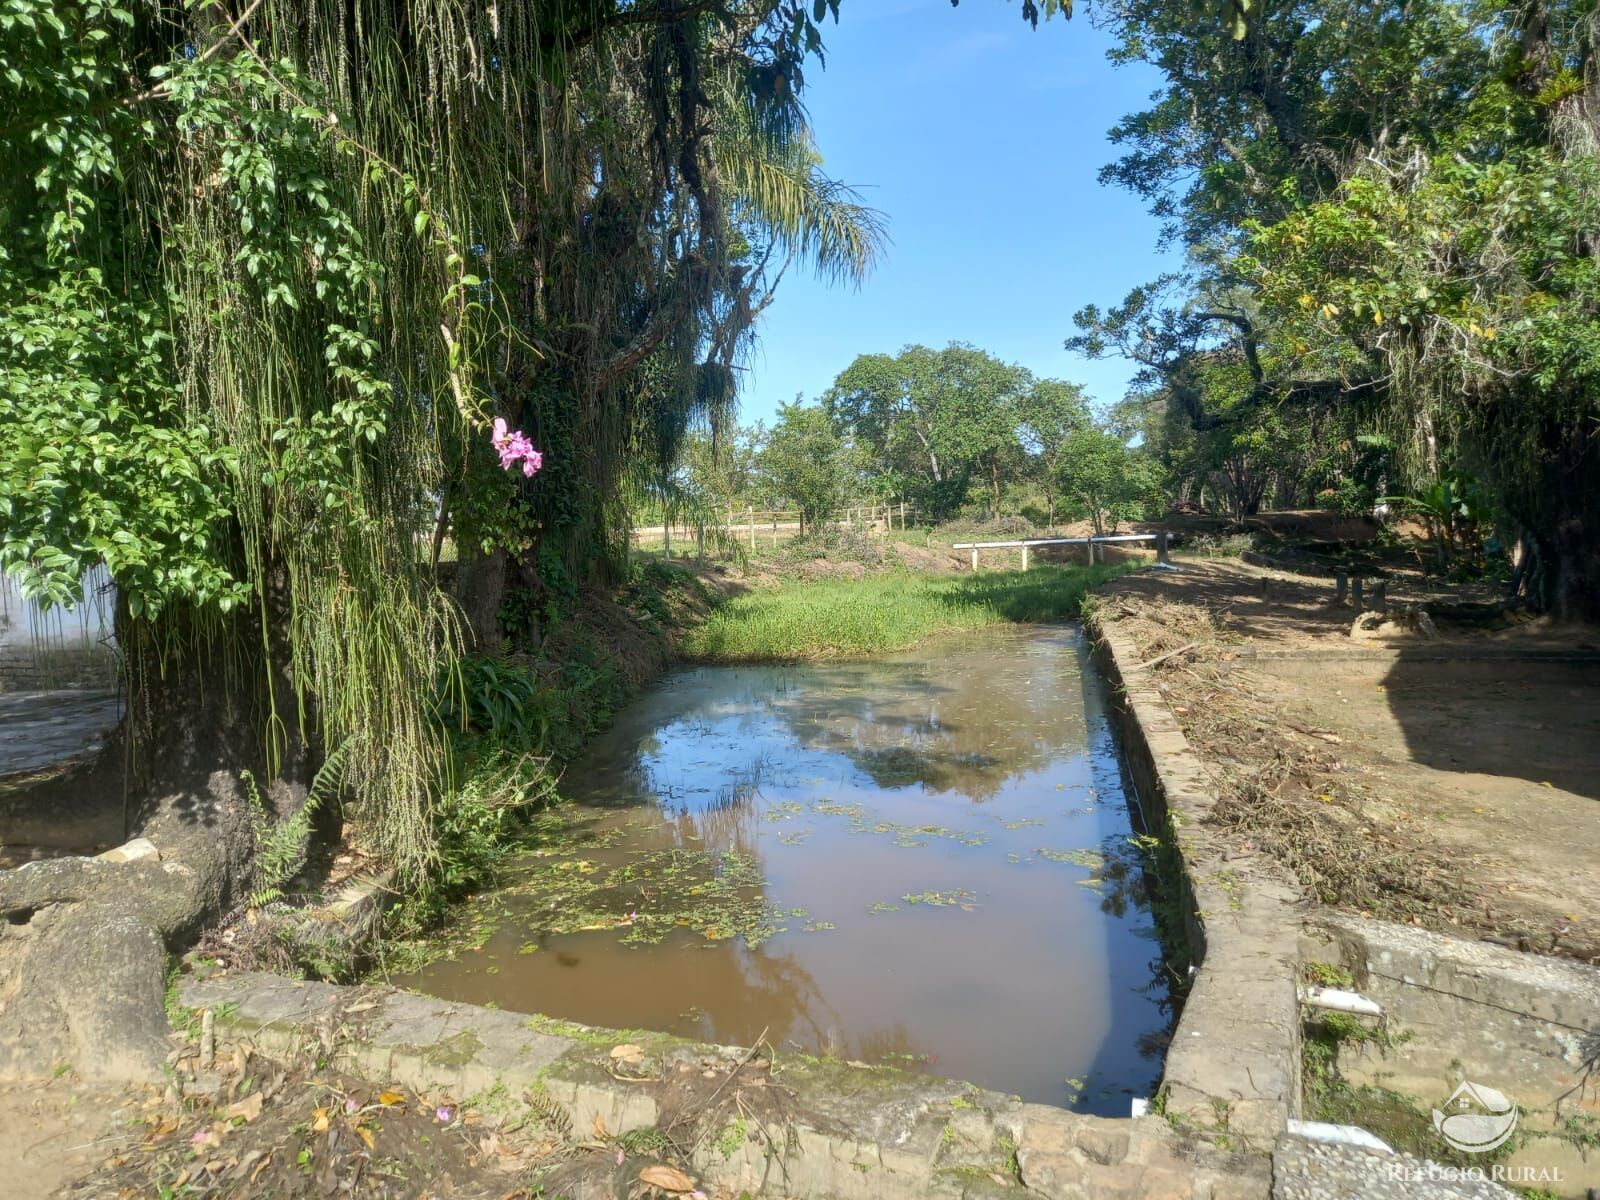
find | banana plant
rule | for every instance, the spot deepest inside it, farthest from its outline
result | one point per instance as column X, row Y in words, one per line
column 1452, row 509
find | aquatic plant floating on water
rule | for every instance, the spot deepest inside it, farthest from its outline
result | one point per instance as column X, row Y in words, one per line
column 513, row 446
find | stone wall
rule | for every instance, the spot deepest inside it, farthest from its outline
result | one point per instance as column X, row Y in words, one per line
column 26, row 668
column 1524, row 1024
column 779, row 1126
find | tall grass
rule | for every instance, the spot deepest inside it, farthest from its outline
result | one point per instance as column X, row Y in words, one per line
column 844, row 618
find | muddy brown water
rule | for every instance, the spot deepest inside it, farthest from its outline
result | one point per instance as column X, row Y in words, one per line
column 938, row 841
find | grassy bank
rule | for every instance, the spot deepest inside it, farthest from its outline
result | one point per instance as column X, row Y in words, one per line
column 879, row 613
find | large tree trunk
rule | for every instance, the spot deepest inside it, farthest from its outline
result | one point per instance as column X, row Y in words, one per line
column 480, row 590
column 1564, row 578
column 84, row 944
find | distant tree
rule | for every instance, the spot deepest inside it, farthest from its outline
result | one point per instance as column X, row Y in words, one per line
column 721, row 469
column 936, row 418
column 1103, row 477
column 1048, row 414
column 806, row 463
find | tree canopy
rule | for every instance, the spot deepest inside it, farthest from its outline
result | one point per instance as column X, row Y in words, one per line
column 805, row 462
column 931, row 419
column 268, row 273
column 1389, row 212
column 1048, row 414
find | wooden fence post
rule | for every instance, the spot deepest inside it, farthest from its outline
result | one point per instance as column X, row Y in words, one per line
column 974, row 558
column 1025, row 558
column 1161, row 546
column 750, row 513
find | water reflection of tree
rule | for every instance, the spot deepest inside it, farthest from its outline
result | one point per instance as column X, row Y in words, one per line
column 962, row 722
column 1124, row 883
column 787, row 998
column 1120, row 878
column 952, row 719
column 1128, row 894
column 776, row 986
column 893, row 1046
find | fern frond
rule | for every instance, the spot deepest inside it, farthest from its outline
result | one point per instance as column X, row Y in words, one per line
column 279, row 845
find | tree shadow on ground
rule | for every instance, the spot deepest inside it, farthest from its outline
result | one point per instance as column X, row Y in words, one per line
column 1535, row 718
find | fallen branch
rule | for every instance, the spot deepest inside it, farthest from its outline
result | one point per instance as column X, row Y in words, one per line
column 1327, row 735
column 1160, row 658
column 702, row 1129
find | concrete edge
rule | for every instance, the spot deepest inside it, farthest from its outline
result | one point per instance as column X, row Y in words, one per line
column 1234, row 1062
column 1561, row 991
column 849, row 1132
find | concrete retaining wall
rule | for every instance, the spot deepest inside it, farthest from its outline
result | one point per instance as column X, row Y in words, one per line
column 845, row 1132
column 1235, row 1056
column 1524, row 1024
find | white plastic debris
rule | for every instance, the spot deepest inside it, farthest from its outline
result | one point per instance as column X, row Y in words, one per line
column 1340, row 1000
column 1346, row 1135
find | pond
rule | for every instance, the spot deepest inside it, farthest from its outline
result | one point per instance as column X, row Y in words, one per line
column 922, row 859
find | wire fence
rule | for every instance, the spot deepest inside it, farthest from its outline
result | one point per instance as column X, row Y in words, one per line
column 755, row 527
column 60, row 648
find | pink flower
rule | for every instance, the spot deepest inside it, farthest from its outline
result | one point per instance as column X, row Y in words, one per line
column 513, row 446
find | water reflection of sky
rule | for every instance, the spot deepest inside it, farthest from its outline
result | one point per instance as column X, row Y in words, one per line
column 979, row 770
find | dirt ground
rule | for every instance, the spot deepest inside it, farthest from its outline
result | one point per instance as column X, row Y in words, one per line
column 1447, row 777
column 58, row 1130
column 254, row 1127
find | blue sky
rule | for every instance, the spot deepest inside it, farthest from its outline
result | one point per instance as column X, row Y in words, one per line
column 980, row 139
